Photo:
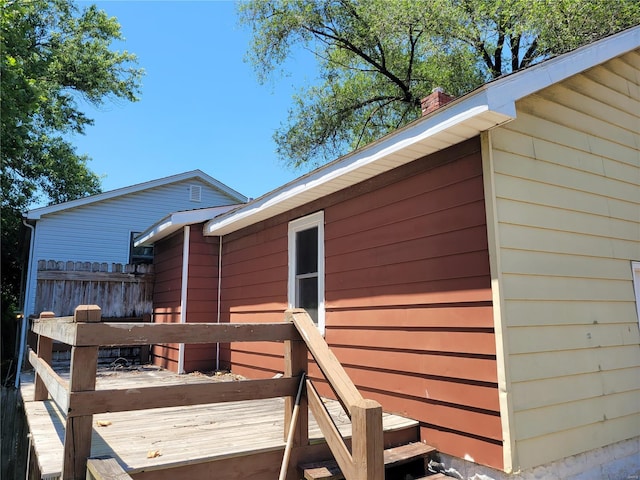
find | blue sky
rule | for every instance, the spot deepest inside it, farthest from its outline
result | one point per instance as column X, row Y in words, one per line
column 201, row 106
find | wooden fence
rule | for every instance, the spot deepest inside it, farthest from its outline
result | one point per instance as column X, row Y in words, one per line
column 14, row 444
column 121, row 290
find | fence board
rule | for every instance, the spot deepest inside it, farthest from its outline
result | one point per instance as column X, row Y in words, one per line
column 125, row 291
column 13, row 434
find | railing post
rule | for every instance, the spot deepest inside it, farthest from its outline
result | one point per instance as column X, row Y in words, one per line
column 45, row 352
column 367, row 440
column 77, row 434
column 295, row 362
column 106, row 469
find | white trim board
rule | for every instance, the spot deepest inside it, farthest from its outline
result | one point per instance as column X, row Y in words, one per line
column 635, row 275
column 174, row 222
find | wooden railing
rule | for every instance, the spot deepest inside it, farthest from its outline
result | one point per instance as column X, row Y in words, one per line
column 79, row 399
column 105, row 469
column 366, row 459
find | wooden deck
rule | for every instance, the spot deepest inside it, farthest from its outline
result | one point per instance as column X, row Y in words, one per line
column 179, row 436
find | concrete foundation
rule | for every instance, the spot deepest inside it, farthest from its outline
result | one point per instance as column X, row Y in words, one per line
column 618, row 461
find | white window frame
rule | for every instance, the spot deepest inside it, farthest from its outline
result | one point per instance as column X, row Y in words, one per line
column 635, row 274
column 295, row 226
column 148, row 258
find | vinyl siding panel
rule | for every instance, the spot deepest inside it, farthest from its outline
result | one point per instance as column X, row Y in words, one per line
column 532, row 313
column 536, row 451
column 407, row 296
column 100, row 232
column 537, row 393
column 567, row 189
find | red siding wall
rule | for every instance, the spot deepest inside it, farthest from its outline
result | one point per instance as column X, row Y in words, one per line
column 408, row 296
column 166, row 294
column 202, row 295
column 254, row 289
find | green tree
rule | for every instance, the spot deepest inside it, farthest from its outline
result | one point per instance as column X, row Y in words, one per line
column 378, row 58
column 54, row 57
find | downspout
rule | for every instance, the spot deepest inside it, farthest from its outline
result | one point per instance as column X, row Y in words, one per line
column 219, row 297
column 183, row 293
column 27, row 294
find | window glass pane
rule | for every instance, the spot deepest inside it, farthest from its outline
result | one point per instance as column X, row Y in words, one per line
column 142, row 254
column 307, row 251
column 308, row 296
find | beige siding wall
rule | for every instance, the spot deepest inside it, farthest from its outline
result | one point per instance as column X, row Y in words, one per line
column 566, row 175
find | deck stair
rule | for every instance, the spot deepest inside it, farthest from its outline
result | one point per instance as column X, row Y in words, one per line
column 393, row 457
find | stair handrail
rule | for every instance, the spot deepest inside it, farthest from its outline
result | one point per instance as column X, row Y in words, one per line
column 366, row 459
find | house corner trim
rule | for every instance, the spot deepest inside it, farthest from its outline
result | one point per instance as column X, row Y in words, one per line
column 184, row 290
column 509, row 450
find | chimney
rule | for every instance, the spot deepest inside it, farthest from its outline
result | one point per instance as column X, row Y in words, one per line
column 434, row 101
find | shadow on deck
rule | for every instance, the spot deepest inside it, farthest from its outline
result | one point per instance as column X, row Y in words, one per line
column 231, row 440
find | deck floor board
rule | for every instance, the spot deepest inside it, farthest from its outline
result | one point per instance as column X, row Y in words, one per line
column 182, row 435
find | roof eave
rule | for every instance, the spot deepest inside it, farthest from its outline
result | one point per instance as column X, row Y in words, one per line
column 487, row 107
column 37, row 213
column 453, row 124
column 177, row 220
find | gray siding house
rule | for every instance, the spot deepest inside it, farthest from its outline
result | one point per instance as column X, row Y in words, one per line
column 100, row 228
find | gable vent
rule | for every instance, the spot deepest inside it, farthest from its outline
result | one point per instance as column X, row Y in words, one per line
column 195, row 193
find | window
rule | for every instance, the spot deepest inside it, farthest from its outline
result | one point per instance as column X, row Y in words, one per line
column 138, row 255
column 306, row 266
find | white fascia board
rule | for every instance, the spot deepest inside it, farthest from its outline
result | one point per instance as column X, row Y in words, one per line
column 452, row 115
column 37, row 213
column 176, row 221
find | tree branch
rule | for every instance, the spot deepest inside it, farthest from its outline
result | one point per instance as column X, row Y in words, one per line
column 387, row 99
column 370, row 119
column 530, row 54
column 343, row 65
column 481, row 49
column 515, row 51
column 347, row 45
column 402, row 117
column 412, row 52
column 497, row 55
